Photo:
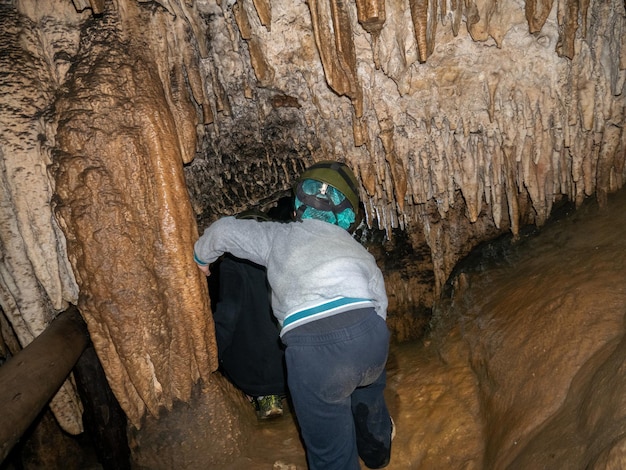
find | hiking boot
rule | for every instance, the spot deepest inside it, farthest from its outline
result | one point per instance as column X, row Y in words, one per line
column 373, row 453
column 270, row 406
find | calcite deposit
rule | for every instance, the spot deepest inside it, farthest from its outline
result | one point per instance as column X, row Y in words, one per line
column 127, row 126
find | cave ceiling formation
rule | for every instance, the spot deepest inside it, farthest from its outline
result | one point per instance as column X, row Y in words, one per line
column 126, row 125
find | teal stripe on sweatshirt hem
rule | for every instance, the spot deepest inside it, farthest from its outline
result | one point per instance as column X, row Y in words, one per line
column 326, row 309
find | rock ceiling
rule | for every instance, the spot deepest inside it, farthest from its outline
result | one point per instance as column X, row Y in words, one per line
column 463, row 119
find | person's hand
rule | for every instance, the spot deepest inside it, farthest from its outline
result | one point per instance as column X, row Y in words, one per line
column 205, row 269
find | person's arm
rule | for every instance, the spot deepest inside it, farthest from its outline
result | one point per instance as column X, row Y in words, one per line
column 209, row 246
column 204, row 268
column 243, row 238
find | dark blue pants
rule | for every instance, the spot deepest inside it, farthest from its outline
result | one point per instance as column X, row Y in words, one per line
column 336, row 377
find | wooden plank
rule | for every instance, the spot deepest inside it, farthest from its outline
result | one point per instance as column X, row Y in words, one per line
column 31, row 378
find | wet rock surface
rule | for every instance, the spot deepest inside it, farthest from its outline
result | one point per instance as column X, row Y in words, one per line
column 524, row 368
column 161, row 116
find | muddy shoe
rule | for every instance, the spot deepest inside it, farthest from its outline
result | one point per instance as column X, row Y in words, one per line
column 270, row 406
column 375, row 454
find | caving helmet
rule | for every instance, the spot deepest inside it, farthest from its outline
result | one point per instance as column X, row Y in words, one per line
column 328, row 191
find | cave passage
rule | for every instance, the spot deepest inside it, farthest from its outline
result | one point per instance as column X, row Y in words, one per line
column 531, row 340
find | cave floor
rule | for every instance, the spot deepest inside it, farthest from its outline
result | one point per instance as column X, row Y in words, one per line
column 414, row 375
column 412, row 367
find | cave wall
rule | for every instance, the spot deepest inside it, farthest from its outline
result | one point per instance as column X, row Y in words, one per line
column 104, row 163
column 463, row 120
column 464, row 103
column 36, row 278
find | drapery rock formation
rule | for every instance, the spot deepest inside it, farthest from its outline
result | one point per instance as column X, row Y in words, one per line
column 463, row 120
column 144, row 291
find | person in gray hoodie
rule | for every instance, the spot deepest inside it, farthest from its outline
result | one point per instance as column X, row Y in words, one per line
column 329, row 298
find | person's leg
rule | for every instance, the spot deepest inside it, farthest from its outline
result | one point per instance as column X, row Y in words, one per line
column 371, row 416
column 373, row 423
column 322, row 408
column 326, row 361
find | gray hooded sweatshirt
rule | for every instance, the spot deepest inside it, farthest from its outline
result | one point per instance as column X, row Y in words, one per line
column 315, row 269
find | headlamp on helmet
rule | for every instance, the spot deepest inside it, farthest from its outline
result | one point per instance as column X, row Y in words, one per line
column 328, row 191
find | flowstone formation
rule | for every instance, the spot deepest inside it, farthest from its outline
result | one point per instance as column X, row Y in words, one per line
column 125, row 126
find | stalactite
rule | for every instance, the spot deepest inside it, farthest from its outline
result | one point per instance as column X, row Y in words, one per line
column 537, row 12
column 479, row 27
column 220, row 63
column 264, row 10
column 472, row 16
column 241, row 17
column 395, row 50
column 320, row 21
column 492, row 86
column 456, row 8
column 424, row 15
column 495, row 188
column 567, row 15
column 185, row 28
column 437, row 163
column 466, row 164
column 337, row 49
column 511, row 191
column 359, row 131
column 396, row 166
column 367, row 176
column 175, row 73
column 371, row 15
column 262, row 69
column 536, row 171
column 221, row 97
